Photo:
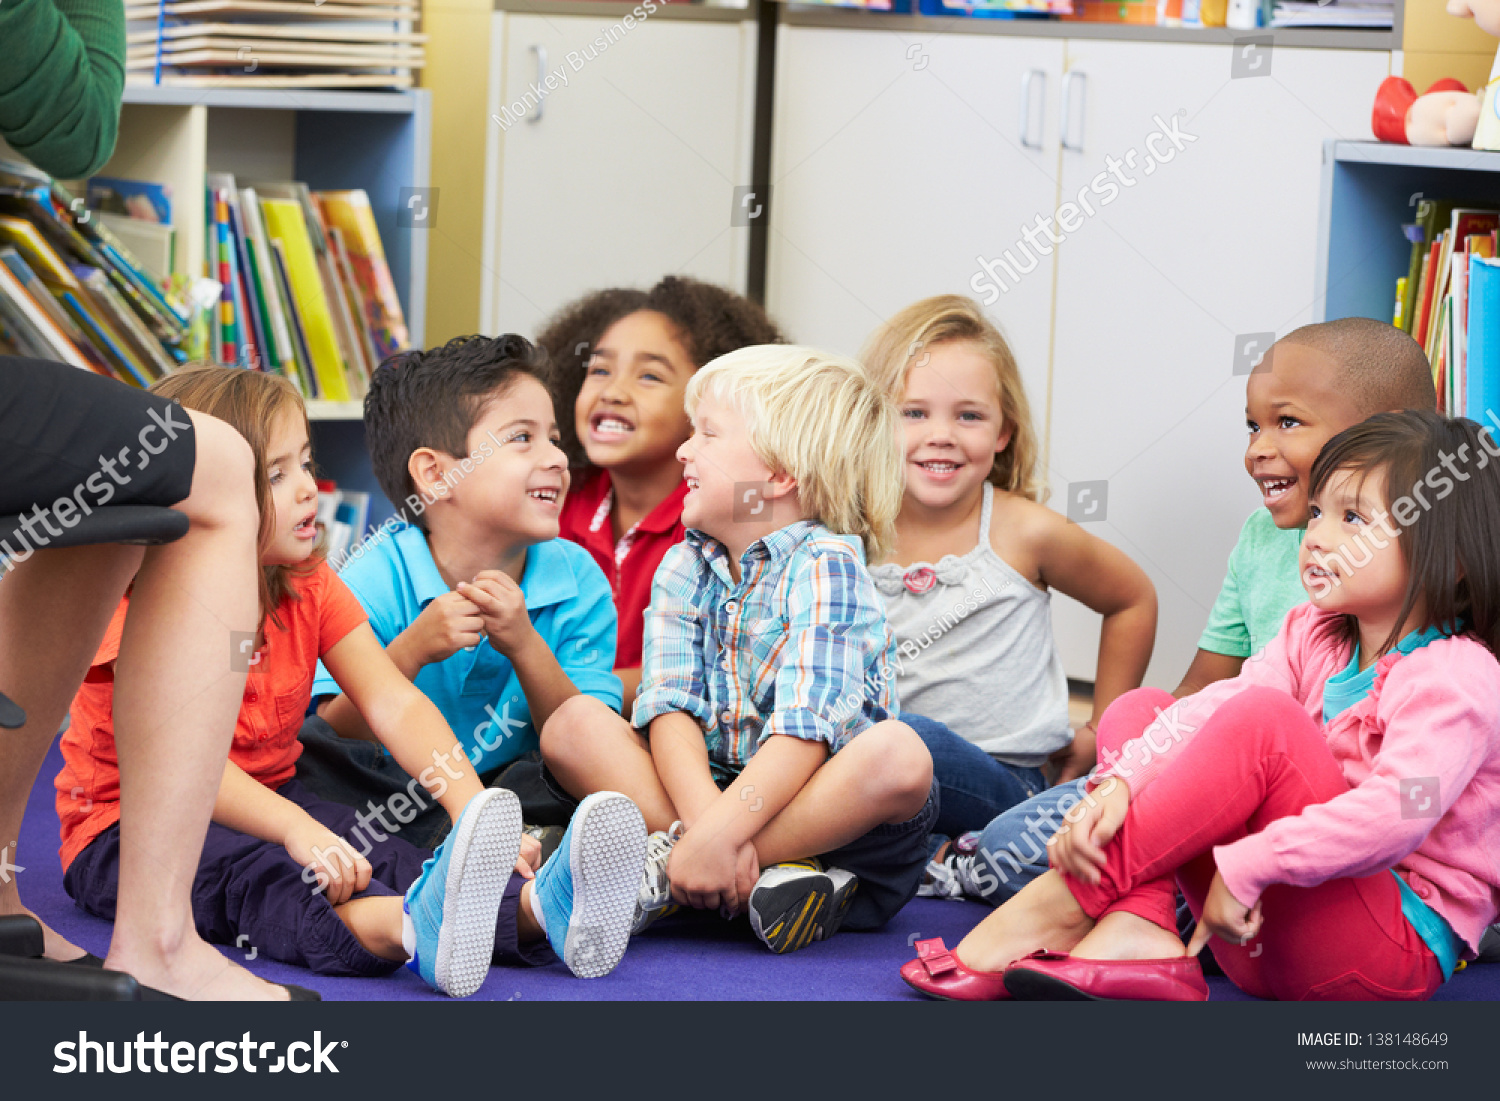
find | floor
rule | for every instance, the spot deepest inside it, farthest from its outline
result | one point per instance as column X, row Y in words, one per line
column 688, row 958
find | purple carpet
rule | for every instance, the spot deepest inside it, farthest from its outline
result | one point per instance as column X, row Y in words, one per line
column 688, row 958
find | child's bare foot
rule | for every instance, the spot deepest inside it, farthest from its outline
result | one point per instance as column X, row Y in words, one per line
column 1124, row 936
column 197, row 972
column 1043, row 914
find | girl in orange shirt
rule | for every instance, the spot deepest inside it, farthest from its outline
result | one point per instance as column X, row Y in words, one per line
column 315, row 883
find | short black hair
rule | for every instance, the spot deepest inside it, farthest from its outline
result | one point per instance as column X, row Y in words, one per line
column 434, row 398
column 708, row 320
column 1380, row 367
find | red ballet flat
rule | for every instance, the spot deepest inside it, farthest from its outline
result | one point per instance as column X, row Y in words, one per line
column 938, row 973
column 1053, row 977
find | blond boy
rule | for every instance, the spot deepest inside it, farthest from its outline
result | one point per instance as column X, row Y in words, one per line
column 764, row 749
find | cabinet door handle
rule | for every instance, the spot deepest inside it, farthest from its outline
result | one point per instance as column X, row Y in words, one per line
column 1028, row 79
column 1068, row 141
column 541, row 76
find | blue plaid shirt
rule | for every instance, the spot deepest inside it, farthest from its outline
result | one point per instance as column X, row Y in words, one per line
column 799, row 647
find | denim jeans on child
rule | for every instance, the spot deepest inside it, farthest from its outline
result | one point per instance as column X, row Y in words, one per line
column 1013, row 847
column 975, row 786
column 889, row 860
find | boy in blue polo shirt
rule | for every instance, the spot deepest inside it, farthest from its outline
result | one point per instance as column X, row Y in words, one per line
column 482, row 607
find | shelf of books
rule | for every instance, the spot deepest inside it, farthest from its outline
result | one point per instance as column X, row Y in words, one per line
column 1408, row 235
column 272, row 230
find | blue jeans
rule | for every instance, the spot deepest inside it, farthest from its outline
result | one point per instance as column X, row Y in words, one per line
column 1013, row 847
column 975, row 787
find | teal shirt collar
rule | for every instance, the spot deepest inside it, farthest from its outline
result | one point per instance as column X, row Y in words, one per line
column 1350, row 684
column 545, row 581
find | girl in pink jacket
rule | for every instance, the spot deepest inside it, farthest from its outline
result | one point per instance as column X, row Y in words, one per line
column 1331, row 813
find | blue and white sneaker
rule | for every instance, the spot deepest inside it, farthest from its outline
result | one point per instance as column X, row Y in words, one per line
column 587, row 890
column 454, row 902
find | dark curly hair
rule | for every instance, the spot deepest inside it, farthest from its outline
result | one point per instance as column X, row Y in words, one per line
column 433, row 398
column 707, row 319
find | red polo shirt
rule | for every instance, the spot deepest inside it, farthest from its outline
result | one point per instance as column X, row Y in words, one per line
column 629, row 564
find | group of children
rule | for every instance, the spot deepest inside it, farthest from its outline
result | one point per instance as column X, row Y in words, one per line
column 766, row 630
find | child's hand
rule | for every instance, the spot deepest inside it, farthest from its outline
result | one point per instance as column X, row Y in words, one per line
column 448, row 624
column 341, row 872
column 531, row 854
column 1078, row 847
column 503, row 608
column 705, row 873
column 746, row 872
column 1225, row 916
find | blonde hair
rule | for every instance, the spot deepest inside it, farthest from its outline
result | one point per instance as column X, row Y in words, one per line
column 897, row 346
column 250, row 402
column 818, row 418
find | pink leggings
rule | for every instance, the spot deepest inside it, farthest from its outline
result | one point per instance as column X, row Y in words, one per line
column 1260, row 757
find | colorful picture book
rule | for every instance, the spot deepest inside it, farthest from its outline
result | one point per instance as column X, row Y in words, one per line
column 343, row 517
column 297, row 284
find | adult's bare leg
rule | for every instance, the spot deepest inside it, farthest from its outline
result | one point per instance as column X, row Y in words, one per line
column 54, row 608
column 177, row 695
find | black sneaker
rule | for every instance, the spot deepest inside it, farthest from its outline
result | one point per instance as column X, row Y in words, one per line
column 798, row 902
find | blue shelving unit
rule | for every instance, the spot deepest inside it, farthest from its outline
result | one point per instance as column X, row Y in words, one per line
column 1369, row 190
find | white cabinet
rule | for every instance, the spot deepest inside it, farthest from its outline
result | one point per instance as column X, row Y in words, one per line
column 1216, row 238
column 898, row 160
column 899, row 163
column 628, row 171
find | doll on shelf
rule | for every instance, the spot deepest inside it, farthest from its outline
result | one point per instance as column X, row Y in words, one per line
column 1448, row 113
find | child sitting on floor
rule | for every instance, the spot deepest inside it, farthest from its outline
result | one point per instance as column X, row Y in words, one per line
column 766, row 750
column 476, row 599
column 969, row 592
column 1314, row 383
column 620, row 361
column 313, row 883
column 1363, row 740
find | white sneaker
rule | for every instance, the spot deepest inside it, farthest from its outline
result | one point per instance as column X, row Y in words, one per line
column 952, row 877
column 655, row 897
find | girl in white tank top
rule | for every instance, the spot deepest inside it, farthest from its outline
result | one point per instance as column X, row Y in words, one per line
column 976, row 557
